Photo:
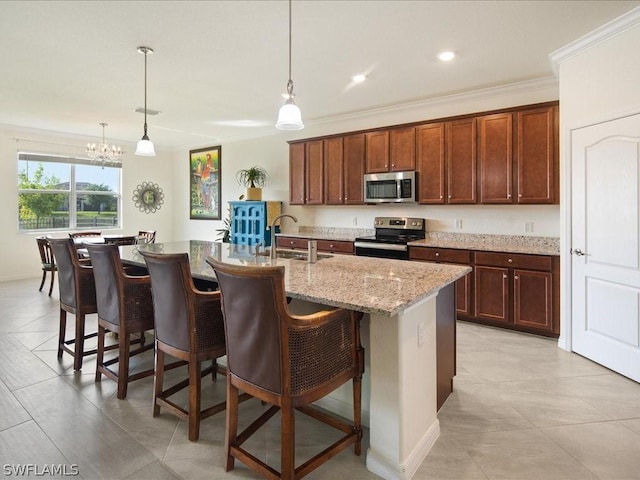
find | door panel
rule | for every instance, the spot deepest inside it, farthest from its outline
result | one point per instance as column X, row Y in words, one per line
column 605, row 162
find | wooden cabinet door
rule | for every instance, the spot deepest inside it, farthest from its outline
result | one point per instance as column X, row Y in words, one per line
column 461, row 161
column 333, row 171
column 491, row 293
column 430, row 163
column 314, row 174
column 537, row 164
column 463, row 295
column 377, row 151
column 402, row 149
column 495, row 158
column 532, row 299
column 296, row 174
column 354, row 148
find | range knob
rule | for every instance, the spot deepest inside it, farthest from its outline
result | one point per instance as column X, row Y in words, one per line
column 414, row 224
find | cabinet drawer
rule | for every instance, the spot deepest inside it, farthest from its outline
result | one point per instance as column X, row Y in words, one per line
column 332, row 246
column 446, row 255
column 515, row 260
column 292, row 242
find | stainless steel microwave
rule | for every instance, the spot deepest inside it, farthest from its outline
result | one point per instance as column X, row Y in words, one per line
column 393, row 187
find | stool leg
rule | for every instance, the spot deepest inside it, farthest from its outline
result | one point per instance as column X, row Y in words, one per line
column 158, row 379
column 63, row 328
column 287, row 463
column 231, row 428
column 79, row 343
column 44, row 276
column 100, row 353
column 194, row 399
column 123, row 364
column 53, row 276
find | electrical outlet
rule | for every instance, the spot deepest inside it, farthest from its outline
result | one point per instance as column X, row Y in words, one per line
column 528, row 227
column 420, row 334
column 355, row 221
column 459, row 224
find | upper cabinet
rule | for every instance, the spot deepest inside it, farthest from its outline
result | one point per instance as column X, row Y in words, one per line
column 391, row 150
column 377, row 151
column 402, row 149
column 537, row 155
column 296, row 174
column 306, row 173
column 507, row 157
column 495, row 158
column 517, row 157
column 353, row 180
column 430, row 163
column 461, row 161
column 333, row 171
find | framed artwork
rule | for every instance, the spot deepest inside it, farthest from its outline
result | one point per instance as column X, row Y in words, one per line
column 205, row 183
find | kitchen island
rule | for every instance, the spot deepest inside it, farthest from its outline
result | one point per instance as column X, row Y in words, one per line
column 403, row 300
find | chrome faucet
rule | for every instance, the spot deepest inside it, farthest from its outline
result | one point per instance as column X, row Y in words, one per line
column 273, row 232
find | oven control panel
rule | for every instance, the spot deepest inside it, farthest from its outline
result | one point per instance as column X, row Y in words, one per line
column 405, row 223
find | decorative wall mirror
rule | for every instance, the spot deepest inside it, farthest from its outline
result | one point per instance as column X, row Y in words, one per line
column 148, row 197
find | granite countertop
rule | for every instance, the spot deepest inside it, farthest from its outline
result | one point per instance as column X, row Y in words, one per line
column 492, row 243
column 371, row 285
column 329, row 233
column 464, row 241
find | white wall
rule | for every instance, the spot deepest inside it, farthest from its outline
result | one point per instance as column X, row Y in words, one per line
column 272, row 152
column 18, row 251
column 599, row 79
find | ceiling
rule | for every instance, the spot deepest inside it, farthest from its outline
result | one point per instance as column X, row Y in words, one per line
column 220, row 67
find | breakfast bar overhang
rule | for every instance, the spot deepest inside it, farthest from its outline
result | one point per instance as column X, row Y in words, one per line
column 404, row 301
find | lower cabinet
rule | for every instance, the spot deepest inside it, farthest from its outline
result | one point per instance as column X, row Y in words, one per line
column 327, row 246
column 449, row 255
column 511, row 290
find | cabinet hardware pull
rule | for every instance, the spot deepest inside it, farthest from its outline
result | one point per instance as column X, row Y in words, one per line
column 516, row 277
column 577, row 252
column 504, row 275
column 510, row 260
column 508, row 195
column 519, row 195
column 441, row 196
column 437, row 254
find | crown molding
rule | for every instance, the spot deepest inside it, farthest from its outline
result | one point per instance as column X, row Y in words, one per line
column 479, row 94
column 596, row 37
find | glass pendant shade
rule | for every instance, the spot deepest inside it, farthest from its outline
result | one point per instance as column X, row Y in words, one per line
column 145, row 148
column 289, row 117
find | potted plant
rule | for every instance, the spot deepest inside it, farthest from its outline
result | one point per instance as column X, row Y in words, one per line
column 253, row 179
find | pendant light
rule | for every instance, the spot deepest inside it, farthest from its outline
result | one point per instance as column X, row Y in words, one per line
column 289, row 117
column 145, row 146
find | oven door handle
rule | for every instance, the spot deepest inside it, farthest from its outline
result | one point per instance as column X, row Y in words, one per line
column 381, row 246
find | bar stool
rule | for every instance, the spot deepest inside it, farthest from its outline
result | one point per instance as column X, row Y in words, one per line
column 286, row 360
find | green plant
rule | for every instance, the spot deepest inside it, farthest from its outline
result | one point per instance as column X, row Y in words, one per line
column 252, row 177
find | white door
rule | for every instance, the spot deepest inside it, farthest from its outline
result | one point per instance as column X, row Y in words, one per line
column 605, row 246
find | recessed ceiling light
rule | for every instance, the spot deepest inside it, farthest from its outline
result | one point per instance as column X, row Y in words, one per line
column 359, row 78
column 447, row 56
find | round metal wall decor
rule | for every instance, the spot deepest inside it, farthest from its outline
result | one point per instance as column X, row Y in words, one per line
column 148, row 197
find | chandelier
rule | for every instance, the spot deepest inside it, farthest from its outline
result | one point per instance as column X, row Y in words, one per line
column 102, row 152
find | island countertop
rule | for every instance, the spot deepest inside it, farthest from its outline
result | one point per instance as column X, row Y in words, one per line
column 371, row 285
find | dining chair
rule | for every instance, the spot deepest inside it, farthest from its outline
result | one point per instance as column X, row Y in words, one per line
column 146, row 236
column 125, row 307
column 48, row 262
column 189, row 327
column 286, row 360
column 77, row 296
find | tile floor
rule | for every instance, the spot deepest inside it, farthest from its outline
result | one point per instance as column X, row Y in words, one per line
column 522, row 409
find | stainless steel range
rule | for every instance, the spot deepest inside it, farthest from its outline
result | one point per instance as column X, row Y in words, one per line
column 391, row 238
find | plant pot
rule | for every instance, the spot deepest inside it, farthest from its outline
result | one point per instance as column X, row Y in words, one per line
column 253, row 193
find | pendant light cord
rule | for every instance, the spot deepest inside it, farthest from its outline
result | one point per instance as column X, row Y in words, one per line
column 290, row 81
column 145, row 92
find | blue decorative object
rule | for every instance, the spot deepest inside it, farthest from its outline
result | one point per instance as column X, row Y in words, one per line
column 250, row 222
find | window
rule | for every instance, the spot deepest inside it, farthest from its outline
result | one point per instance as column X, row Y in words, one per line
column 62, row 193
